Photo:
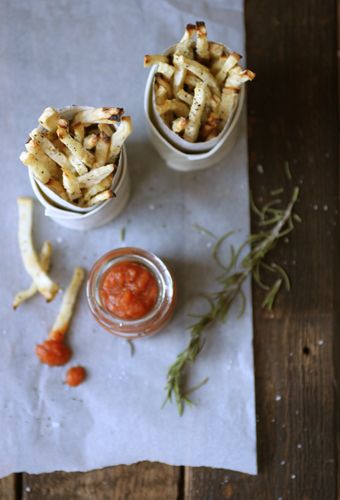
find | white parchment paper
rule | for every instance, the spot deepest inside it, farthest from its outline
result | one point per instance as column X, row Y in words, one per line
column 91, row 53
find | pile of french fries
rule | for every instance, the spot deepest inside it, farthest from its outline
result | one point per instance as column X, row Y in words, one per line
column 78, row 159
column 196, row 87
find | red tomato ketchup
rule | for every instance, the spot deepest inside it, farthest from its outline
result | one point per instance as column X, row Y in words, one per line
column 131, row 292
column 128, row 290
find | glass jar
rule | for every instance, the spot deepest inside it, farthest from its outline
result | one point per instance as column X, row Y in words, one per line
column 156, row 318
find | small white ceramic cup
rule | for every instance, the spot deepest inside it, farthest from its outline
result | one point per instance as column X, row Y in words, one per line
column 178, row 153
column 68, row 215
column 99, row 215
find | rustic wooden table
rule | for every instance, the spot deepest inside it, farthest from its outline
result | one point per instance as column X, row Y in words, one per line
column 292, row 116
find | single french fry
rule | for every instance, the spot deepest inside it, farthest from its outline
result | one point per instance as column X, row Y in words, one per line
column 237, row 77
column 106, row 129
column 63, row 320
column 73, row 145
column 196, row 110
column 57, row 187
column 161, row 94
column 179, row 77
column 216, row 50
column 228, row 103
column 199, row 70
column 179, row 124
column 78, row 165
column 166, row 70
column 202, row 47
column 90, row 141
column 49, row 148
column 150, row 60
column 229, row 63
column 39, row 170
column 79, row 132
column 185, row 97
column 30, row 259
column 102, row 149
column 186, row 44
column 163, row 82
column 36, row 150
column 49, row 119
column 218, row 64
column 191, row 80
column 119, row 137
column 44, row 259
column 98, row 115
column 95, row 176
column 100, row 197
column 178, row 107
column 71, row 185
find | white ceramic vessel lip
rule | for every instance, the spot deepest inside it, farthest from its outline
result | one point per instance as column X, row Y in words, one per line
column 177, row 141
column 181, row 155
column 68, row 112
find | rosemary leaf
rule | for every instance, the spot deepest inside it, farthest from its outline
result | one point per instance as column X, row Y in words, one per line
column 231, row 283
column 203, row 230
column 270, row 297
column 132, row 347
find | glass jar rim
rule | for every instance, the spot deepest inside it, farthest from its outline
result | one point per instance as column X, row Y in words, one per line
column 153, row 320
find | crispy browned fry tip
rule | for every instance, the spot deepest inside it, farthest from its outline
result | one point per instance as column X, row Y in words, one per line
column 200, row 26
column 191, row 28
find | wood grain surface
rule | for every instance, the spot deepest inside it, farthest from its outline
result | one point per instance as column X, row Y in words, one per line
column 292, row 116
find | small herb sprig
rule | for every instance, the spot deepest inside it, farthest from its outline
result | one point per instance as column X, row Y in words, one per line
column 275, row 223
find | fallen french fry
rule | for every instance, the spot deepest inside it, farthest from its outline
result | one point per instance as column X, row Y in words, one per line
column 53, row 351
column 44, row 259
column 62, row 322
column 30, row 259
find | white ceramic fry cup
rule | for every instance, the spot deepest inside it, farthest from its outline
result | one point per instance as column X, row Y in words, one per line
column 178, row 153
column 68, row 215
column 100, row 214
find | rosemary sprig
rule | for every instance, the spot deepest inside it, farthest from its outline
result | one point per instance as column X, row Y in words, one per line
column 277, row 223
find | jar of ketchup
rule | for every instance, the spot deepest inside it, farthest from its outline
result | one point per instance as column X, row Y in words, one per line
column 131, row 292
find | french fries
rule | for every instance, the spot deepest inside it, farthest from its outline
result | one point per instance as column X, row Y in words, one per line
column 44, row 259
column 196, row 87
column 30, row 259
column 72, row 156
